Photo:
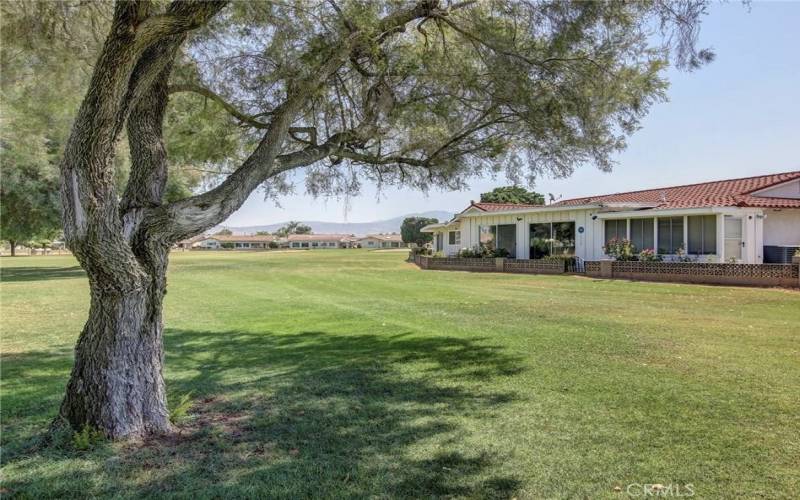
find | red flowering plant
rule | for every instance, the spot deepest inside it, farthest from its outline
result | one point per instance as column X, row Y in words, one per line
column 649, row 255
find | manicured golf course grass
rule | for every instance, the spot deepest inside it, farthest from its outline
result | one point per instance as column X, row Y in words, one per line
column 347, row 374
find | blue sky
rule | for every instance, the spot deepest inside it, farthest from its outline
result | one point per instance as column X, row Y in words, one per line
column 737, row 117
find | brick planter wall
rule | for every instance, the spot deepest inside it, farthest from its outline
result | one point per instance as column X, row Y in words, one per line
column 786, row 275
column 694, row 272
column 459, row 264
column 534, row 266
column 487, row 265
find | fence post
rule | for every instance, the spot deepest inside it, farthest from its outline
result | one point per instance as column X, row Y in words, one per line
column 500, row 264
column 796, row 262
column 606, row 269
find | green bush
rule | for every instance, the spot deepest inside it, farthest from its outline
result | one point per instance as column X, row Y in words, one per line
column 482, row 252
column 649, row 255
column 620, row 249
column 227, row 245
column 273, row 244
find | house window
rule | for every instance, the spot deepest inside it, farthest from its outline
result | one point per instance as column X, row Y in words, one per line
column 702, row 231
column 552, row 238
column 454, row 238
column 563, row 238
column 540, row 240
column 616, row 228
column 487, row 235
column 670, row 234
column 642, row 233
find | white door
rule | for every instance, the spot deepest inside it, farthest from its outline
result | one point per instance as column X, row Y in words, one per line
column 733, row 238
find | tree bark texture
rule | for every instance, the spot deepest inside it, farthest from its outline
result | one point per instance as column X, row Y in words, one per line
column 117, row 384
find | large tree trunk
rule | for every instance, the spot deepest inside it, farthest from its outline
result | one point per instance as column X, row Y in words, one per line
column 117, row 384
column 13, row 244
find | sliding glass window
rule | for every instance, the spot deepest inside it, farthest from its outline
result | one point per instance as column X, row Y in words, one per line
column 670, row 234
column 487, row 235
column 616, row 228
column 702, row 231
column 642, row 234
column 563, row 238
column 556, row 238
column 540, row 240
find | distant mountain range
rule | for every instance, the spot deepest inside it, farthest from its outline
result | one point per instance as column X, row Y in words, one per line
column 357, row 228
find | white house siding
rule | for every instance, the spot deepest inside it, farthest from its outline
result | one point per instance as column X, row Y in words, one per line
column 587, row 243
column 782, row 227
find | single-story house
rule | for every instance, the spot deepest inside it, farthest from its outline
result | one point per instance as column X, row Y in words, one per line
column 392, row 240
column 191, row 242
column 235, row 241
column 750, row 220
column 320, row 241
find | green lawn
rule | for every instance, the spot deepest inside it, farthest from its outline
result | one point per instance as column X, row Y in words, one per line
column 353, row 374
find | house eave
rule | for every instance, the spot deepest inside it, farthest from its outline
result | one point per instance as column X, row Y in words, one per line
column 667, row 212
column 548, row 208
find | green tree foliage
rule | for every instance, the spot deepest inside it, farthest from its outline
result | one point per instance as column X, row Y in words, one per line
column 224, row 232
column 411, row 232
column 293, row 227
column 512, row 194
column 49, row 49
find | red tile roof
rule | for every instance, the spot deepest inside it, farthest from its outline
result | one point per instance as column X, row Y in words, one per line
column 385, row 237
column 253, row 238
column 319, row 237
column 724, row 193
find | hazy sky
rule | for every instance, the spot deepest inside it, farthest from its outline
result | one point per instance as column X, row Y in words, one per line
column 737, row 117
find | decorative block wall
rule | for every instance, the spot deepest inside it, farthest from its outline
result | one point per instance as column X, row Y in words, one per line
column 696, row 272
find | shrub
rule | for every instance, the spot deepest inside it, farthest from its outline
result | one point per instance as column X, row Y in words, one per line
column 273, row 244
column 469, row 253
column 649, row 255
column 620, row 249
column 421, row 251
column 482, row 252
column 500, row 252
column 682, row 256
column 227, row 244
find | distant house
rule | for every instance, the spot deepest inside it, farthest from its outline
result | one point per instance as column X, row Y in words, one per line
column 750, row 220
column 235, row 241
column 189, row 243
column 392, row 240
column 311, row 241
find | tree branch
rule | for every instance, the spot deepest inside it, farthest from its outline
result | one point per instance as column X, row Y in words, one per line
column 230, row 108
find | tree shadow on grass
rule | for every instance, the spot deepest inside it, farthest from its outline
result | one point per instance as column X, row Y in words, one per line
column 16, row 274
column 316, row 414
